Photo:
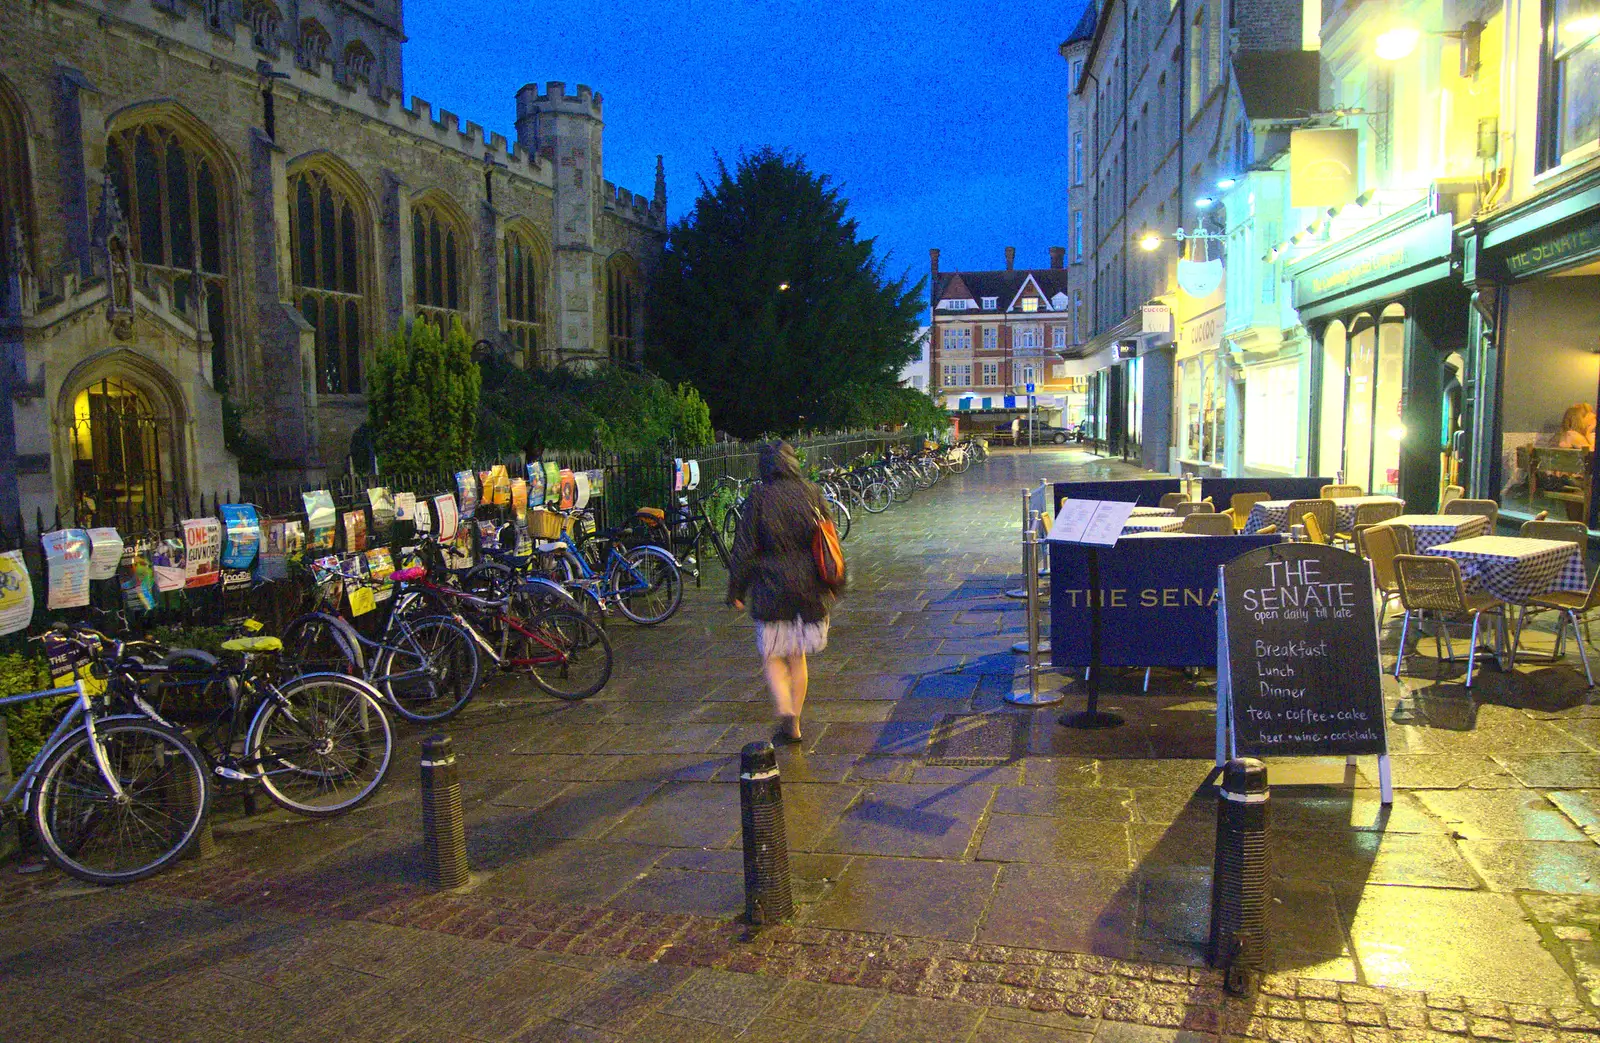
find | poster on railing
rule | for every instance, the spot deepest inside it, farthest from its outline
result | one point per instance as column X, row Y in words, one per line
column 105, row 552
column 383, row 513
column 202, row 552
column 458, row 552
column 16, row 593
column 444, row 505
column 66, row 555
column 136, row 577
column 466, row 494
column 694, row 474
column 519, row 499
column 273, row 561
column 679, row 473
column 355, row 531
column 535, row 484
column 581, row 481
column 552, row 483
column 597, row 484
column 166, row 560
column 243, row 529
column 380, row 566
column 405, row 507
column 422, row 517
column 321, row 516
column 569, row 489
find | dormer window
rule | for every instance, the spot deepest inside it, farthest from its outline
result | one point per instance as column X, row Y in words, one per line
column 1030, row 304
column 955, row 305
column 989, row 303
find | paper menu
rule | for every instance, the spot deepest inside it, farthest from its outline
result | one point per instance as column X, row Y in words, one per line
column 1097, row 522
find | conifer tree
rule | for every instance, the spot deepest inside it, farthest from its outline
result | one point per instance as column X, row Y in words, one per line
column 422, row 398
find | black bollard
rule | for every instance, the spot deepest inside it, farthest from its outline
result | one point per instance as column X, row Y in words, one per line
column 1241, row 888
column 444, row 834
column 767, row 898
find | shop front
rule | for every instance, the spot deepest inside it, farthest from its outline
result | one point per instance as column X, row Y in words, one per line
column 1536, row 269
column 1203, row 379
column 1387, row 317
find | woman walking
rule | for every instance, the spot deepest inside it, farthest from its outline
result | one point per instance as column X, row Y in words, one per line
column 774, row 568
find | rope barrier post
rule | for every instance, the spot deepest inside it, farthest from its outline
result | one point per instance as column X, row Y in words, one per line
column 444, row 834
column 1030, row 565
column 1027, row 574
column 767, row 894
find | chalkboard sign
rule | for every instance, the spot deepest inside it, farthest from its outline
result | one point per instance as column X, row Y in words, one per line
column 1301, row 646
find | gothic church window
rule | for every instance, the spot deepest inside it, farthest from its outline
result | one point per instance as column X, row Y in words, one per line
column 314, row 43
column 329, row 260
column 622, row 309
column 264, row 20
column 438, row 263
column 359, row 63
column 526, row 269
column 16, row 203
column 171, row 190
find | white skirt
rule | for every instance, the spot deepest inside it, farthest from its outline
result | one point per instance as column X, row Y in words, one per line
column 790, row 637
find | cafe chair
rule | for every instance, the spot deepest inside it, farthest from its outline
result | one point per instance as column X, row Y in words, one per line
column 1170, row 500
column 1488, row 508
column 1380, row 544
column 1451, row 492
column 1572, row 532
column 1266, row 530
column 1573, row 606
column 1188, row 507
column 1239, row 506
column 1368, row 514
column 1404, row 537
column 1314, row 530
column 1327, row 515
column 1208, row 524
column 1330, row 492
column 1431, row 585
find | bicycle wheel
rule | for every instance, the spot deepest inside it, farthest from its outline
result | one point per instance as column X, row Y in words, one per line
column 491, row 579
column 430, row 671
column 563, row 651
column 314, row 644
column 647, row 585
column 841, row 517
column 89, row 833
column 323, row 750
column 960, row 461
column 876, row 497
column 730, row 522
column 900, row 487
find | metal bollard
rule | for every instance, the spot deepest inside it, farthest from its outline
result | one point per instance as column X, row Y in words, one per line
column 1241, row 885
column 767, row 896
column 1033, row 645
column 444, row 834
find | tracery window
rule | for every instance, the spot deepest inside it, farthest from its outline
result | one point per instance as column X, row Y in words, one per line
column 526, row 269
column 438, row 254
column 314, row 43
column 264, row 20
column 329, row 261
column 16, row 204
column 359, row 63
column 622, row 310
column 171, row 191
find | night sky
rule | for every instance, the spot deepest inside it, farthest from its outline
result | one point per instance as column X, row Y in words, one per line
column 944, row 126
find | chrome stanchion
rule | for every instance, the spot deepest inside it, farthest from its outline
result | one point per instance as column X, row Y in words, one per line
column 1027, row 573
column 1030, row 567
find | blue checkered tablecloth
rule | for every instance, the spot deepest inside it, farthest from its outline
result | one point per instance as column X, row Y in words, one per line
column 1430, row 530
column 1276, row 512
column 1151, row 525
column 1514, row 569
column 1151, row 512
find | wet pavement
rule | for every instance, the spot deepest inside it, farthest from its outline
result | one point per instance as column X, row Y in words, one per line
column 1063, row 895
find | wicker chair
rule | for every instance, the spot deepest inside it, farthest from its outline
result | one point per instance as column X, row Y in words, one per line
column 1573, row 608
column 1266, row 530
column 1213, row 524
column 1368, row 514
column 1488, row 508
column 1327, row 515
column 1570, row 531
column 1379, row 544
column 1431, row 585
column 1451, row 492
column 1240, row 503
column 1314, row 530
column 1188, row 507
column 1170, row 500
column 1329, row 492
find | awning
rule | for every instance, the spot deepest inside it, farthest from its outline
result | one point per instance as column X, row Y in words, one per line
column 1089, row 365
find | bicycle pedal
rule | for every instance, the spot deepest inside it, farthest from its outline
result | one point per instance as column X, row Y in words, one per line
column 233, row 774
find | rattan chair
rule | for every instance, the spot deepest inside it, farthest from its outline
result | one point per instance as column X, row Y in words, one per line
column 1431, row 585
column 1573, row 608
column 1327, row 515
column 1239, row 504
column 1451, row 492
column 1266, row 530
column 1488, row 508
column 1188, row 507
column 1330, row 491
column 1570, row 531
column 1368, row 514
column 1170, row 500
column 1314, row 530
column 1405, row 538
column 1212, row 524
column 1379, row 544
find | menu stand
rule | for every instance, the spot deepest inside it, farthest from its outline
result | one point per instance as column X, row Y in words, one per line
column 1092, row 716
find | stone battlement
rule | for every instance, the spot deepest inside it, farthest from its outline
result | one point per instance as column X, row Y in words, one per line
column 555, row 98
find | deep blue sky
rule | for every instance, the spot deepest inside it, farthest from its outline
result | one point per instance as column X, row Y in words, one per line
column 944, row 126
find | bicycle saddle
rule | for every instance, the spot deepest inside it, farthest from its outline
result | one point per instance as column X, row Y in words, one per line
column 549, row 546
column 406, row 575
column 653, row 512
column 253, row 644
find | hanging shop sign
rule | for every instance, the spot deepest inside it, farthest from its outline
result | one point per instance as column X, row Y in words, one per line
column 1199, row 278
column 1415, row 246
column 1322, row 167
column 1155, row 318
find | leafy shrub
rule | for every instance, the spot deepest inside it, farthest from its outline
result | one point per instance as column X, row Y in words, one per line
column 28, row 724
column 537, row 410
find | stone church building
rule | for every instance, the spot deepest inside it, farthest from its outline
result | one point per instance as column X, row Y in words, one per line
column 215, row 209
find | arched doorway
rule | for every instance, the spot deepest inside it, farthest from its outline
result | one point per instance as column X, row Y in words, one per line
column 123, row 455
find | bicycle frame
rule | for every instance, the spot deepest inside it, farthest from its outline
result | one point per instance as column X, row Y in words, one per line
column 500, row 611
column 81, row 708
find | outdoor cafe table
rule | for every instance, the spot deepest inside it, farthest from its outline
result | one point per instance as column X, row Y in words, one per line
column 1430, row 530
column 1515, row 569
column 1138, row 525
column 1276, row 512
column 1151, row 512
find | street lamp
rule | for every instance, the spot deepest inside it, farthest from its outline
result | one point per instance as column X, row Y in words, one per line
column 1149, row 241
column 1397, row 42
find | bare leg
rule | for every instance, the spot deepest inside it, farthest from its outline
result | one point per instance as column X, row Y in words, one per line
column 777, row 671
column 798, row 678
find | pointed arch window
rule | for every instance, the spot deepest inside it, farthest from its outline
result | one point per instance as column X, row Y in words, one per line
column 172, row 190
column 315, row 43
column 264, row 19
column 526, row 272
column 359, row 63
column 622, row 311
column 438, row 264
column 329, row 260
column 16, row 201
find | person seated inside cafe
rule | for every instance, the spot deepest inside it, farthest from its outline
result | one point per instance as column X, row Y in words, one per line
column 1577, row 427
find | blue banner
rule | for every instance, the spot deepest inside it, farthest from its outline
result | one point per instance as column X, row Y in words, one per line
column 243, row 530
column 1158, row 599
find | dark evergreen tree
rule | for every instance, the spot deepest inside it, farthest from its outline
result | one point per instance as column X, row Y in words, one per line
column 768, row 303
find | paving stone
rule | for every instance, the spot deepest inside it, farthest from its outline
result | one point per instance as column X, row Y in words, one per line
column 907, row 1019
column 836, row 1006
column 907, row 819
column 1518, row 865
column 683, row 814
column 1500, row 815
column 1058, row 840
column 1066, row 908
column 922, row 898
column 573, row 872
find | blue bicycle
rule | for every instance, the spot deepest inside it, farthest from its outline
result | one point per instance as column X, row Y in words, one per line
column 643, row 582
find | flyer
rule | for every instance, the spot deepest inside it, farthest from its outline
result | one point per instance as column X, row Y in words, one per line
column 66, row 554
column 597, row 484
column 244, row 535
column 569, row 489
column 355, row 531
column 320, row 519
column 694, row 474
column 380, row 565
column 581, row 480
column 137, row 577
column 405, row 507
column 273, row 562
column 467, row 489
column 383, row 513
column 449, row 518
column 202, row 552
column 105, row 553
column 16, row 593
column 166, row 559
column 458, row 552
column 535, row 484
column 236, row 579
column 423, row 517
column 519, row 499
column 552, row 483
column 678, row 473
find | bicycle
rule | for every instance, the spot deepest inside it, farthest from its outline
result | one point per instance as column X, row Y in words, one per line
column 644, row 582
column 320, row 743
column 113, row 797
column 427, row 668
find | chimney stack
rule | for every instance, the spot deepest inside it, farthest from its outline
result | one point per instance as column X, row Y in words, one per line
column 1011, row 258
column 933, row 261
column 1058, row 256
